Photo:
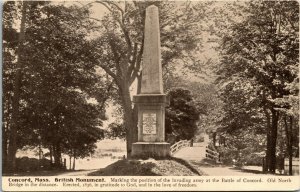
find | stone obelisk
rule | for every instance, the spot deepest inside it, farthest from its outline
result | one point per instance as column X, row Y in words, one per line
column 151, row 101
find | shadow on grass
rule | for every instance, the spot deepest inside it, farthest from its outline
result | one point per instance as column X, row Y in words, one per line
column 211, row 163
column 246, row 170
column 206, row 163
column 126, row 168
column 187, row 164
column 132, row 167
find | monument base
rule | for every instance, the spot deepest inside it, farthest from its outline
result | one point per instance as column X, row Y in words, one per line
column 151, row 149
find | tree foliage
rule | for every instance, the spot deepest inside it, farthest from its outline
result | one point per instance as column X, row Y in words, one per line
column 182, row 115
column 245, row 147
column 116, row 130
column 258, row 60
column 58, row 80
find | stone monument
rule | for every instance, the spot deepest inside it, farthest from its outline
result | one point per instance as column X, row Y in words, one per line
column 151, row 101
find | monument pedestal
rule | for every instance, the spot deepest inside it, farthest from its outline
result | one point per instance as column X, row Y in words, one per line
column 150, row 149
column 151, row 126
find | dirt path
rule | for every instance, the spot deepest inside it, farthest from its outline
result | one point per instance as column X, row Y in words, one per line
column 191, row 153
column 86, row 166
column 220, row 170
column 196, row 156
column 77, row 173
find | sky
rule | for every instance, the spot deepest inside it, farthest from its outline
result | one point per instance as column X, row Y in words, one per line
column 208, row 52
column 98, row 11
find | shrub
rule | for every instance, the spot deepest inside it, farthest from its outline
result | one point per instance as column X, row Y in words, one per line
column 26, row 164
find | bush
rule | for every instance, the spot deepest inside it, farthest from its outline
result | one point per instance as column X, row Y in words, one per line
column 253, row 159
column 232, row 156
column 26, row 164
column 242, row 148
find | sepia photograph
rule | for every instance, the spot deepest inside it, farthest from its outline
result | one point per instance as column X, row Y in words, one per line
column 150, row 95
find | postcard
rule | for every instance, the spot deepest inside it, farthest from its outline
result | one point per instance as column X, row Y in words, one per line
column 150, row 95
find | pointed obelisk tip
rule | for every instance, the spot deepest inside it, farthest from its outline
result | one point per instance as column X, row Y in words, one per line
column 152, row 6
column 152, row 70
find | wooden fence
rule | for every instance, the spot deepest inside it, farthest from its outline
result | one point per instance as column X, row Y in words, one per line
column 176, row 146
column 211, row 154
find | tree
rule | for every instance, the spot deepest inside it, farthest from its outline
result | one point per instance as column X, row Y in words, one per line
column 61, row 95
column 262, row 49
column 242, row 147
column 9, row 45
column 289, row 107
column 209, row 105
column 116, row 130
column 241, row 107
column 120, row 46
column 243, row 124
column 181, row 115
column 12, row 148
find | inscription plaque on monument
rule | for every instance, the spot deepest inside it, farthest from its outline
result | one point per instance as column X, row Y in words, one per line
column 149, row 123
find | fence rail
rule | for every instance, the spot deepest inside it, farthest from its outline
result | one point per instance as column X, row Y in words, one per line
column 211, row 154
column 182, row 143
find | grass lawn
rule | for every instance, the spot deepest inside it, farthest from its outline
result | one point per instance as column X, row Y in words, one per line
column 149, row 167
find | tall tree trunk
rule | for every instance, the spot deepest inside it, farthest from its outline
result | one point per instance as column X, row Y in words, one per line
column 4, row 147
column 289, row 138
column 70, row 162
column 214, row 136
column 129, row 120
column 5, row 137
column 57, row 155
column 135, row 109
column 273, row 139
column 290, row 147
column 267, row 159
column 74, row 158
column 54, row 155
column 12, row 148
column 51, row 154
